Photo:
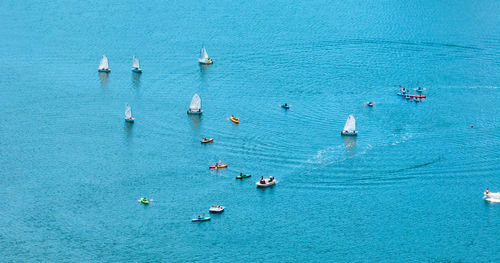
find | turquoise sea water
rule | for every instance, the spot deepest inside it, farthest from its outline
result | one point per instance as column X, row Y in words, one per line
column 408, row 188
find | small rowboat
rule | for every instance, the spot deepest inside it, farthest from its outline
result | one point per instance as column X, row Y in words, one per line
column 266, row 184
column 235, row 120
column 243, row 176
column 217, row 166
column 216, row 209
column 201, row 219
column 211, row 140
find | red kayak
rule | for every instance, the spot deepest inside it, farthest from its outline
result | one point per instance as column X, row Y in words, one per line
column 217, row 166
column 418, row 96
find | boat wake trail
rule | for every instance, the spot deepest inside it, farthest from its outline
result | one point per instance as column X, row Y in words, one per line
column 416, row 166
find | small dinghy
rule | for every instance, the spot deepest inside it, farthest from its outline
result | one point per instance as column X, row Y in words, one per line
column 234, row 119
column 195, row 106
column 349, row 127
column 135, row 65
column 104, row 65
column 204, row 59
column 128, row 114
column 286, row 106
column 201, row 218
column 216, row 209
column 263, row 183
column 420, row 90
column 205, row 140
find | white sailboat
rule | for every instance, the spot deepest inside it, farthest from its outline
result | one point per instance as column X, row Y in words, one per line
column 128, row 114
column 104, row 66
column 204, row 59
column 195, row 106
column 135, row 65
column 350, row 127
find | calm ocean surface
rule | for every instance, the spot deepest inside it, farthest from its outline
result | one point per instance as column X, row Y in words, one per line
column 408, row 188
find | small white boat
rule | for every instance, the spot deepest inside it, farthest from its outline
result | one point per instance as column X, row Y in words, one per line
column 216, row 209
column 204, row 59
column 104, row 65
column 492, row 197
column 128, row 114
column 350, row 127
column 267, row 183
column 136, row 67
column 195, row 106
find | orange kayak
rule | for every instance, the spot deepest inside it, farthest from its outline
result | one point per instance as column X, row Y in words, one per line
column 217, row 166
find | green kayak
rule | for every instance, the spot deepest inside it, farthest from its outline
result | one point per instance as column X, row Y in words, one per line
column 243, row 176
column 144, row 201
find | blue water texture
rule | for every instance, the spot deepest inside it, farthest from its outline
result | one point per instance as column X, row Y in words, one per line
column 408, row 188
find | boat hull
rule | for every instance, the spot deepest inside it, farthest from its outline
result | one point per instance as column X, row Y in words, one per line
column 344, row 133
column 194, row 112
column 205, row 62
column 201, row 219
column 104, row 70
column 137, row 70
column 129, row 120
column 214, row 210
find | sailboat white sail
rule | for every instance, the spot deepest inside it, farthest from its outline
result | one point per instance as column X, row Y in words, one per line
column 195, row 106
column 128, row 113
column 135, row 62
column 350, row 126
column 204, row 58
column 104, row 66
column 203, row 53
column 136, row 67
